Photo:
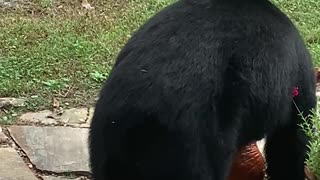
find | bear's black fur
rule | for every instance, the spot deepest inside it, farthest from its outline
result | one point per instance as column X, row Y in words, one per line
column 199, row 80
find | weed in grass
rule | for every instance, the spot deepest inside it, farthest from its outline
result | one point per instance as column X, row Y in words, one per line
column 46, row 3
column 56, row 84
column 98, row 77
column 313, row 132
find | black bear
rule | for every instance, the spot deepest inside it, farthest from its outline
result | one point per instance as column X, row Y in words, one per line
column 196, row 82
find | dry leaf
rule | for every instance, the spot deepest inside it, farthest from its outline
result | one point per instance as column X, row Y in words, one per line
column 86, row 5
column 55, row 103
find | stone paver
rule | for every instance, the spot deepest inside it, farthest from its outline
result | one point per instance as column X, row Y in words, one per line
column 56, row 149
column 16, row 102
column 43, row 117
column 74, row 116
column 12, row 166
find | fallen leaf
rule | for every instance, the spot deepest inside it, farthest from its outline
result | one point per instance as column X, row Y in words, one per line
column 55, row 103
column 86, row 5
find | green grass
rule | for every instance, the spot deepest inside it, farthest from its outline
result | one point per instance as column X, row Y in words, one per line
column 55, row 48
column 306, row 16
column 58, row 49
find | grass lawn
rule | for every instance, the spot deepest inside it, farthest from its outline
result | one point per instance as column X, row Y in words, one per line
column 56, row 48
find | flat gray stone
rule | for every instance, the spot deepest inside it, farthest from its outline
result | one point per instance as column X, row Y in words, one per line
column 74, row 116
column 12, row 166
column 44, row 117
column 15, row 102
column 57, row 149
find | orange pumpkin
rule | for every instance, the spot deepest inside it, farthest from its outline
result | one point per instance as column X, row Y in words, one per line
column 248, row 164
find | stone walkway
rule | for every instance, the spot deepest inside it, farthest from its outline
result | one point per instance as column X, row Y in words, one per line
column 46, row 145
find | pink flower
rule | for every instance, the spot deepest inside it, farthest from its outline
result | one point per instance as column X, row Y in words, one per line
column 295, row 92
